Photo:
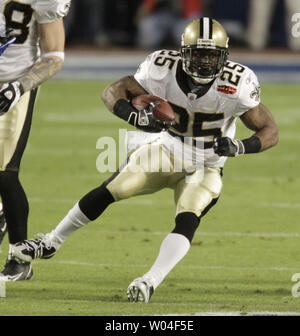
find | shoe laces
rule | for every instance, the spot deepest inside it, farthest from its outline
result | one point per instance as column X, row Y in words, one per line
column 37, row 246
column 45, row 240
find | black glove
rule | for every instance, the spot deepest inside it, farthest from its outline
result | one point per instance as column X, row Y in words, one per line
column 141, row 119
column 146, row 121
column 10, row 94
column 226, row 146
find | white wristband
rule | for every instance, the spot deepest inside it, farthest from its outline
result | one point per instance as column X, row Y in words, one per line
column 59, row 54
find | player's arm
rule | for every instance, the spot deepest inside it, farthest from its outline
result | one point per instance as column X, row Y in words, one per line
column 258, row 119
column 52, row 41
column 125, row 88
column 117, row 98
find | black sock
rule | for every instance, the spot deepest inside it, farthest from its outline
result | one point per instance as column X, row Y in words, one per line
column 95, row 202
column 186, row 224
column 15, row 206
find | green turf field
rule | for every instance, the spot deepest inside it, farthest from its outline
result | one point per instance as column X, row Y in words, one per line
column 243, row 256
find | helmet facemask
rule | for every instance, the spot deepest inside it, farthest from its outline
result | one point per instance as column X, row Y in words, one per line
column 204, row 50
column 203, row 64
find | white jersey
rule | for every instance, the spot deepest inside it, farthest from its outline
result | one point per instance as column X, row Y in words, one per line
column 23, row 16
column 202, row 118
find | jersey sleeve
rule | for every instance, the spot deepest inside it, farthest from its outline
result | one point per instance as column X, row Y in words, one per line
column 143, row 73
column 47, row 11
column 151, row 75
column 249, row 95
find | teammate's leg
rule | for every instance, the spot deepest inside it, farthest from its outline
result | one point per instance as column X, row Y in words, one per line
column 15, row 127
column 15, row 205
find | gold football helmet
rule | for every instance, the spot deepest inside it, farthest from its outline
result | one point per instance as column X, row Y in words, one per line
column 204, row 49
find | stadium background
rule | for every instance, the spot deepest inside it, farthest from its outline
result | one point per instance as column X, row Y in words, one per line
column 106, row 32
column 245, row 252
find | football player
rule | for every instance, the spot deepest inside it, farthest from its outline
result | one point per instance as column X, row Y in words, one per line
column 32, row 51
column 208, row 93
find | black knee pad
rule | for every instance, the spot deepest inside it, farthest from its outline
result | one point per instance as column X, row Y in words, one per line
column 186, row 223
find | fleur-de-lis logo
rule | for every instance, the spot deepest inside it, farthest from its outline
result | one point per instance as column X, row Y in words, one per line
column 255, row 94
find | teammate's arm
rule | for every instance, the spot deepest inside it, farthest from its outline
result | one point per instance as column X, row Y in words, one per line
column 258, row 119
column 52, row 41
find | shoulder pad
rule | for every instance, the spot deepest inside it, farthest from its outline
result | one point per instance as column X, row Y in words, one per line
column 157, row 70
column 233, row 74
column 47, row 11
column 162, row 63
column 233, row 78
column 243, row 84
column 249, row 95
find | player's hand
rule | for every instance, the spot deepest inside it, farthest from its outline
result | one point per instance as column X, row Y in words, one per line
column 225, row 146
column 147, row 122
column 10, row 94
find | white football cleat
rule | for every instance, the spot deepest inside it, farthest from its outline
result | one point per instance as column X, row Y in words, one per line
column 140, row 290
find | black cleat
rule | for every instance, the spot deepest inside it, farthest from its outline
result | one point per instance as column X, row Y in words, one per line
column 16, row 270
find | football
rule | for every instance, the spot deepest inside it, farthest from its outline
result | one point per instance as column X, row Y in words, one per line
column 162, row 109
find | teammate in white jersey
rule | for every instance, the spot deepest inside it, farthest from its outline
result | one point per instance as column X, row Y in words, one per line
column 32, row 43
column 208, row 93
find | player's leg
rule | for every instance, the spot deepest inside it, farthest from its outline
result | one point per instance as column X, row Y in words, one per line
column 87, row 209
column 15, row 126
column 193, row 200
column 130, row 180
column 260, row 15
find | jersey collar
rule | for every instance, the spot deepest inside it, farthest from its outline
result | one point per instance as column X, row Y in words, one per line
column 185, row 83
